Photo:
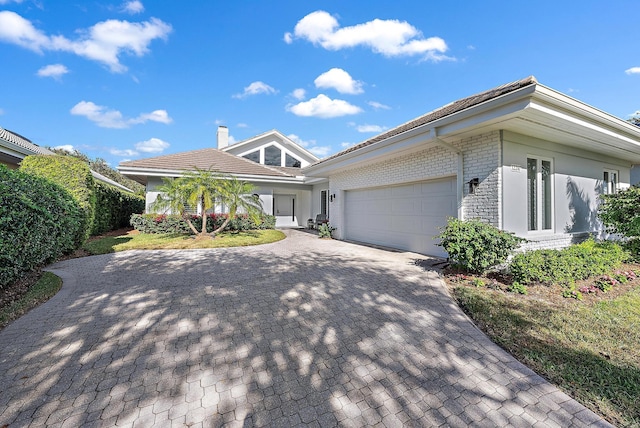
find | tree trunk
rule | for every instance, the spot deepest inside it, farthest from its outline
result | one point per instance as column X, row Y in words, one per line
column 204, row 220
column 191, row 226
column 232, row 214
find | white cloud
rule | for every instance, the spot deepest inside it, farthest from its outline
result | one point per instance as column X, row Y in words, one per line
column 339, row 80
column 320, row 151
column 288, row 38
column 310, row 145
column 370, row 128
column 300, row 141
column 53, row 70
column 106, row 118
column 323, row 107
column 378, row 106
column 153, row 145
column 345, row 145
column 125, row 152
column 633, row 70
column 256, row 88
column 160, row 116
column 66, row 147
column 105, row 42
column 10, row 1
column 242, row 125
column 299, row 94
column 387, row 37
column 219, row 122
column 1, row 111
column 133, row 7
column 232, row 140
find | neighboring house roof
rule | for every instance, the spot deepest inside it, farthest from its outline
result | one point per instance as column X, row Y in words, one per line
column 21, row 147
column 24, row 143
column 206, row 159
column 107, row 180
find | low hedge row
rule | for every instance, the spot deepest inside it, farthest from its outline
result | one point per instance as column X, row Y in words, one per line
column 162, row 223
column 39, row 221
column 568, row 265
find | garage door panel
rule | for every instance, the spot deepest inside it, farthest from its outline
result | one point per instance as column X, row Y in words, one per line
column 405, row 217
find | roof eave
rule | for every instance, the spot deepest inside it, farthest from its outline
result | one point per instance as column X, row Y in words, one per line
column 157, row 172
column 500, row 106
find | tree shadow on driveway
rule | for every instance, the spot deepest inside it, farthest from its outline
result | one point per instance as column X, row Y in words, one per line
column 303, row 331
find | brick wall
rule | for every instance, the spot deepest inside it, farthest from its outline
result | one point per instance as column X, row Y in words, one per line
column 481, row 160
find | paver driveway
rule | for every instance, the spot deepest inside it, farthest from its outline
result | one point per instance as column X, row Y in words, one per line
column 299, row 332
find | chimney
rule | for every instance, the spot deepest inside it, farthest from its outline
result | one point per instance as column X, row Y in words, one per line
column 223, row 137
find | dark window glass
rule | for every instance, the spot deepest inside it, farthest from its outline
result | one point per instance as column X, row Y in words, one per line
column 253, row 156
column 291, row 161
column 272, row 156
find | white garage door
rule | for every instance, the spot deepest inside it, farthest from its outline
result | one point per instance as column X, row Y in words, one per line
column 405, row 217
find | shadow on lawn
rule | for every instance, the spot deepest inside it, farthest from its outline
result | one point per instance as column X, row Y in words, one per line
column 610, row 387
column 322, row 332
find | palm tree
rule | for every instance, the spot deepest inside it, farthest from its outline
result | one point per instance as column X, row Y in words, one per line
column 239, row 195
column 173, row 198
column 203, row 188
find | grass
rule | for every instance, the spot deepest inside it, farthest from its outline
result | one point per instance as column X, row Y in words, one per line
column 589, row 349
column 44, row 289
column 143, row 241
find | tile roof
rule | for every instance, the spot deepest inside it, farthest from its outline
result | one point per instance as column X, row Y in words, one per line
column 206, row 159
column 441, row 112
column 23, row 142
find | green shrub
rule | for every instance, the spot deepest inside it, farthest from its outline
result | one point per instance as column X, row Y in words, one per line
column 477, row 246
column 325, row 230
column 114, row 208
column 39, row 221
column 162, row 223
column 566, row 266
column 620, row 212
column 73, row 175
column 518, row 288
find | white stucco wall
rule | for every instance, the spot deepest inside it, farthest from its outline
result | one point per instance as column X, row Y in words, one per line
column 577, row 184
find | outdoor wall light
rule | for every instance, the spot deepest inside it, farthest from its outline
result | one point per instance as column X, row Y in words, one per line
column 332, row 197
column 473, row 185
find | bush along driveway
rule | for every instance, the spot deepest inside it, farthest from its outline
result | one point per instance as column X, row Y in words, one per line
column 302, row 331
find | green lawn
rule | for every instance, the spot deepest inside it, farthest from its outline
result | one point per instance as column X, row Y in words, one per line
column 143, row 241
column 44, row 289
column 590, row 350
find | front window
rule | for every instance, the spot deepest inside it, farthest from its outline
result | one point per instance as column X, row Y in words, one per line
column 291, row 161
column 539, row 194
column 272, row 156
column 323, row 202
column 253, row 156
column 610, row 182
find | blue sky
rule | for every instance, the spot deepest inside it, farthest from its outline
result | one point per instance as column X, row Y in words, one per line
column 132, row 79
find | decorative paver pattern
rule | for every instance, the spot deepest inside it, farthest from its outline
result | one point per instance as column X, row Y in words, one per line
column 303, row 332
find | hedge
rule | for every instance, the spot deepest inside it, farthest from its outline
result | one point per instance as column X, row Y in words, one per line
column 579, row 261
column 39, row 221
column 162, row 223
column 114, row 208
column 72, row 174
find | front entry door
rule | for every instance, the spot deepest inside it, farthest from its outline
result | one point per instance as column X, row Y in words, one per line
column 284, row 210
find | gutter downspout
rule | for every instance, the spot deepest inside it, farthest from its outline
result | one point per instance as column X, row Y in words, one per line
column 460, row 174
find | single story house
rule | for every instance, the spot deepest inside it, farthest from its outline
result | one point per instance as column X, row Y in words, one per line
column 14, row 147
column 270, row 161
column 522, row 157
